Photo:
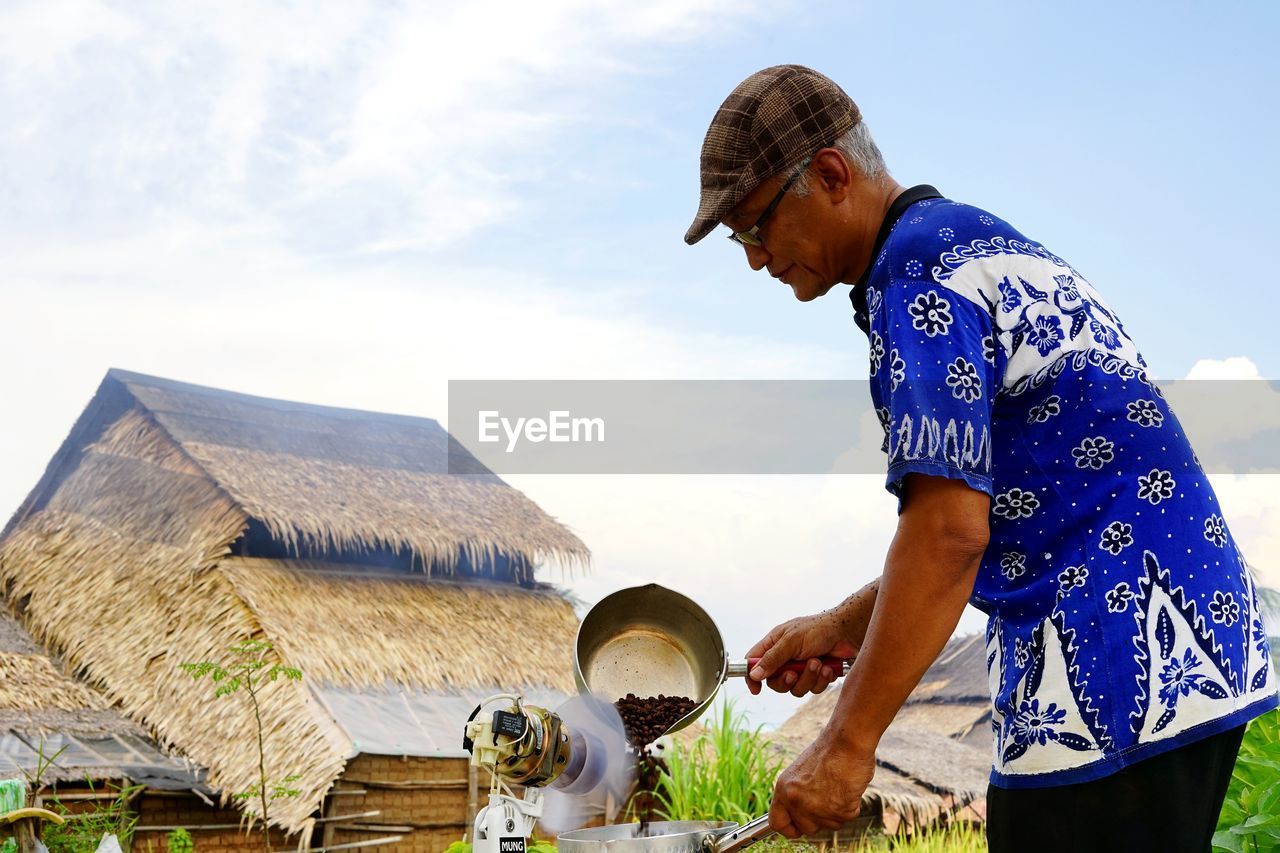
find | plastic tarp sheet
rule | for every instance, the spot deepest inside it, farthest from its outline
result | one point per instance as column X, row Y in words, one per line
column 394, row 721
column 121, row 756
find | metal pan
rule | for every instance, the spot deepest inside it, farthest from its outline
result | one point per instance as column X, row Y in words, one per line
column 682, row 836
column 651, row 641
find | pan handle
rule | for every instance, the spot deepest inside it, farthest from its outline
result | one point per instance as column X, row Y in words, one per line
column 740, row 668
column 740, row 838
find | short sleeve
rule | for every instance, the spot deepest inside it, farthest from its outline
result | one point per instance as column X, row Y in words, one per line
column 934, row 374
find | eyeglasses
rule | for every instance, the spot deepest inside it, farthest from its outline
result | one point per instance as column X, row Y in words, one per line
column 751, row 237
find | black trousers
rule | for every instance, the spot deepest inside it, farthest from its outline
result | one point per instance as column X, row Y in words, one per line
column 1167, row 803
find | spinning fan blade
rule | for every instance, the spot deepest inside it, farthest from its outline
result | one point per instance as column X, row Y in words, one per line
column 601, row 764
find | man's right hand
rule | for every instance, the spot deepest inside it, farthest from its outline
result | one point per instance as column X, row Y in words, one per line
column 838, row 631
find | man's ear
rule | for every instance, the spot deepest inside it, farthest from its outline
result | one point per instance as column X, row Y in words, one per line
column 834, row 174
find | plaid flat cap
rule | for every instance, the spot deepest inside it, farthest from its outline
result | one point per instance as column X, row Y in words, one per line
column 773, row 119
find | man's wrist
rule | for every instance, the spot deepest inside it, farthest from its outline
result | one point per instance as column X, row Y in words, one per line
column 850, row 613
column 843, row 733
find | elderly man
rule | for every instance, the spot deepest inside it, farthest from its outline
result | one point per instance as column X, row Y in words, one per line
column 1041, row 477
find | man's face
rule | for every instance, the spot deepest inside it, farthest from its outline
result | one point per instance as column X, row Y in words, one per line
column 796, row 250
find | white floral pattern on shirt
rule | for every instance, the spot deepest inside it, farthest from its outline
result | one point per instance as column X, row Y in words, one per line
column 1005, row 368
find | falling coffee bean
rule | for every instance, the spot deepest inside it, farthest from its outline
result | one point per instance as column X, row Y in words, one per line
column 646, row 720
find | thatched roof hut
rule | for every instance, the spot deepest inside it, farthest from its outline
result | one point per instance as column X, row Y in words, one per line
column 372, row 550
column 935, row 757
column 44, row 713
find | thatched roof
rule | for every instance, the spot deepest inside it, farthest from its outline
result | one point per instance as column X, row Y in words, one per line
column 935, row 761
column 967, row 722
column 122, row 559
column 351, row 627
column 919, row 774
column 318, row 478
column 952, row 698
column 37, row 698
column 958, row 675
column 45, row 712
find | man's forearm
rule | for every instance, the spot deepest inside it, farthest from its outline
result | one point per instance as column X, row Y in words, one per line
column 855, row 612
column 926, row 583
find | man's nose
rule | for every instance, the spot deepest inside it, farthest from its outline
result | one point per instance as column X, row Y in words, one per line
column 758, row 257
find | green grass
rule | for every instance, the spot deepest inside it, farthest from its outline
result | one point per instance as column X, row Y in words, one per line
column 727, row 773
column 958, row 839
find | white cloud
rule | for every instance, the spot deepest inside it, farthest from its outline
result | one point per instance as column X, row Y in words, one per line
column 40, row 36
column 1251, row 506
column 356, row 126
column 1236, row 367
column 1230, row 415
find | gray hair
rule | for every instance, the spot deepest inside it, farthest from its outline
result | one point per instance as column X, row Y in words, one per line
column 859, row 149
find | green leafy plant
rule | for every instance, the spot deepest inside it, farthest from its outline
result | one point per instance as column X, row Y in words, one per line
column 85, row 826
column 727, row 773
column 179, row 841
column 247, row 672
column 1250, row 818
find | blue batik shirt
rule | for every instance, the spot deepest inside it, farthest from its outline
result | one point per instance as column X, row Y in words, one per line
column 1122, row 616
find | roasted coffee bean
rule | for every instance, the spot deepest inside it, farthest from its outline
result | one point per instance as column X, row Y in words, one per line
column 646, row 720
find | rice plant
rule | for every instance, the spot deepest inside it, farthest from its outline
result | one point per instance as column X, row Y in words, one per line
column 727, row 773
column 1250, row 818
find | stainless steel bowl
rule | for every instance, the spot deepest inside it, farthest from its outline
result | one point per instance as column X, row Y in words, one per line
column 650, row 641
column 674, row 836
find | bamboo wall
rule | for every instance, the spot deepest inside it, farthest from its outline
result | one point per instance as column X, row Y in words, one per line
column 427, row 801
column 217, row 830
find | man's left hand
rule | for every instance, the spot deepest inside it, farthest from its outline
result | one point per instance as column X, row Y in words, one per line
column 821, row 790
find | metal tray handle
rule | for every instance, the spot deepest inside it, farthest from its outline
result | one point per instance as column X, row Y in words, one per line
column 740, row 838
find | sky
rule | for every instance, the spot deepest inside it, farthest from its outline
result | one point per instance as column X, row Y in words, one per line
column 352, row 203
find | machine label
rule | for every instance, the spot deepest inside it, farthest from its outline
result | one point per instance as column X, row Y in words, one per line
column 511, row 725
column 511, row 845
